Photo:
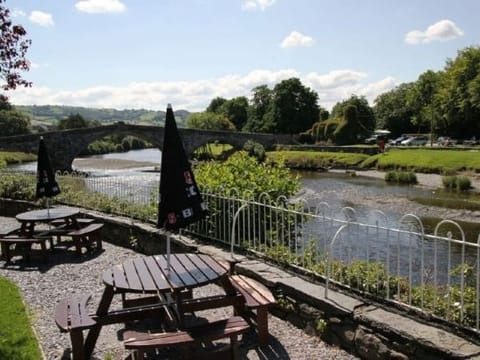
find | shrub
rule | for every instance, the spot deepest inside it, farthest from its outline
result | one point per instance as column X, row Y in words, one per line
column 454, row 182
column 244, row 173
column 255, row 149
column 401, row 177
column 305, row 138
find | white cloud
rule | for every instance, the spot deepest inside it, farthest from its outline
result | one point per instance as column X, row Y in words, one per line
column 296, row 39
column 18, row 13
column 100, row 6
column 331, row 87
column 257, row 4
column 372, row 90
column 335, row 78
column 41, row 18
column 442, row 30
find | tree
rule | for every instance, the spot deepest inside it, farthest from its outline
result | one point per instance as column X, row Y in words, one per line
column 76, row 121
column 459, row 94
column 236, row 110
column 13, row 48
column 295, row 107
column 209, row 121
column 14, row 122
column 393, row 110
column 216, row 104
column 360, row 124
column 260, row 112
column 421, row 98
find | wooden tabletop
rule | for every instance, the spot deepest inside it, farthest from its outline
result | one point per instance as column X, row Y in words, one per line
column 45, row 215
column 150, row 274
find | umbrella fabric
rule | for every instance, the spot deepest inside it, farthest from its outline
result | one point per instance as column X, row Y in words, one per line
column 180, row 200
column 46, row 184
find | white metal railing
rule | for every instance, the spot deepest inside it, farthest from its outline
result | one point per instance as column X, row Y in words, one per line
column 437, row 272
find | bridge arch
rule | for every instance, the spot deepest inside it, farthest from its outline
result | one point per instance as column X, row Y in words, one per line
column 64, row 146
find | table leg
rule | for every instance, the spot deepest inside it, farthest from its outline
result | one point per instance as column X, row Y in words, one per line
column 78, row 350
column 94, row 332
column 227, row 285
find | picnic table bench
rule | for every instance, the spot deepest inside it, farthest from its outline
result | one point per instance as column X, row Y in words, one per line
column 141, row 342
column 86, row 236
column 257, row 300
column 22, row 244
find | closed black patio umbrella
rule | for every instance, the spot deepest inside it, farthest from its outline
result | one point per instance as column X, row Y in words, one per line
column 47, row 186
column 180, row 200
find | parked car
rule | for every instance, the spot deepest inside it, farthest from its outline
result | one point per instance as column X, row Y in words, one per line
column 371, row 140
column 398, row 140
column 415, row 141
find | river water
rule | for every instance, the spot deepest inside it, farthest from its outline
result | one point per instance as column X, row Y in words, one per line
column 366, row 195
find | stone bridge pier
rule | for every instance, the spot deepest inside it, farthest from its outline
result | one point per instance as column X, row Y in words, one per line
column 64, row 146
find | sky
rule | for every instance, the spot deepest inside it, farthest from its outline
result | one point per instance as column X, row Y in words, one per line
column 144, row 54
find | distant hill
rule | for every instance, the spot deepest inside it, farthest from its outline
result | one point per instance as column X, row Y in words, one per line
column 48, row 115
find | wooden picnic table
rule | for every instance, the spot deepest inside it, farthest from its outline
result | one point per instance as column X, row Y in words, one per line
column 151, row 275
column 29, row 219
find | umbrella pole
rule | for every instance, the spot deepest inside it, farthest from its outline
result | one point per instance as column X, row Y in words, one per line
column 168, row 252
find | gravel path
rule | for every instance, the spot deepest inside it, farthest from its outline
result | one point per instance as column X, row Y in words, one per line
column 44, row 285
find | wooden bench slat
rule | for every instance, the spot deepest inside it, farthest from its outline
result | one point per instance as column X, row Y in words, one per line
column 7, row 241
column 72, row 314
column 258, row 298
column 135, row 340
column 10, row 231
column 197, row 334
column 255, row 294
column 86, row 230
column 87, row 235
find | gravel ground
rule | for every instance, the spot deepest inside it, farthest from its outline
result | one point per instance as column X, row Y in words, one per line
column 43, row 285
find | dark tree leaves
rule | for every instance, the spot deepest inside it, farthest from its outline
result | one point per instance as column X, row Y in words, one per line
column 13, row 48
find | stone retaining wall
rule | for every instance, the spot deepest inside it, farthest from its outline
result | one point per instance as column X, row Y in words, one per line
column 363, row 328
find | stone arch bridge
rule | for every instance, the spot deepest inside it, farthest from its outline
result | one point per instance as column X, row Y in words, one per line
column 64, row 146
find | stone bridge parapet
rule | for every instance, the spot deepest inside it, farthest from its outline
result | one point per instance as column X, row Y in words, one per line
column 64, row 146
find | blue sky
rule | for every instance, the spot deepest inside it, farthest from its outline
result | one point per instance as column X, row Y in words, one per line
column 128, row 54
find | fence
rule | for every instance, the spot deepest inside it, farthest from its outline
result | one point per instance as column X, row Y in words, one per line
column 398, row 262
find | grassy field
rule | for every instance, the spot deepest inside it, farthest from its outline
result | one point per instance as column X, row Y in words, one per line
column 430, row 161
column 418, row 160
column 17, row 341
column 10, row 158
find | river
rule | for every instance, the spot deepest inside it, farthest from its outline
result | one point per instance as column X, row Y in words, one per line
column 365, row 194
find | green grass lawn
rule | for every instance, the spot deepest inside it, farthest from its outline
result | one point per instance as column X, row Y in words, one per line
column 9, row 158
column 430, row 161
column 17, row 340
column 317, row 159
column 417, row 160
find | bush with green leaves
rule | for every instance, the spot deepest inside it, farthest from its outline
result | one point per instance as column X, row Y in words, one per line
column 242, row 175
column 401, row 177
column 456, row 182
column 255, row 149
column 245, row 174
